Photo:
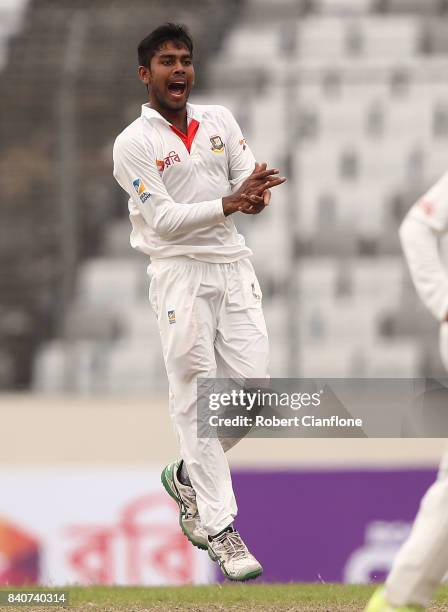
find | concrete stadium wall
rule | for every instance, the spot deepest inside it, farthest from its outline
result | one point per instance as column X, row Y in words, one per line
column 51, row 430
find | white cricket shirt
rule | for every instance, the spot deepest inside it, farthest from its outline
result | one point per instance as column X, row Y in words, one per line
column 421, row 233
column 176, row 183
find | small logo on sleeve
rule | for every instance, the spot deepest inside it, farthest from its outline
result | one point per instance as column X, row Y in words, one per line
column 140, row 188
column 171, row 316
column 255, row 293
column 217, row 144
column 243, row 143
column 427, row 206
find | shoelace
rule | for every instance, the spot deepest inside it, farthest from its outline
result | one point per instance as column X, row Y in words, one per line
column 232, row 544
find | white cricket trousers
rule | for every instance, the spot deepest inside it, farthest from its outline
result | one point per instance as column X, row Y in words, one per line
column 422, row 561
column 211, row 324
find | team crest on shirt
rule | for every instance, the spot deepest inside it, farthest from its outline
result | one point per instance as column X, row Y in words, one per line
column 140, row 188
column 217, row 144
column 160, row 165
column 171, row 316
column 243, row 143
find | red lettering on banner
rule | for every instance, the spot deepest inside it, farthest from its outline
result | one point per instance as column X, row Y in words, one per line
column 146, row 541
column 93, row 560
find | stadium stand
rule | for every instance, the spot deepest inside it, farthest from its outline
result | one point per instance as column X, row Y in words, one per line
column 68, row 88
column 349, row 96
column 11, row 16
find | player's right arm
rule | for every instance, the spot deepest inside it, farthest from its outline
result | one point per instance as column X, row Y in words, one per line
column 420, row 232
column 136, row 172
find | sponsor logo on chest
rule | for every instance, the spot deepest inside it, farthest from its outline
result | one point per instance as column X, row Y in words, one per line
column 171, row 159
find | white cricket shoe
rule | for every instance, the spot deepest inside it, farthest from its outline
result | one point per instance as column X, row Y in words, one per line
column 185, row 497
column 233, row 556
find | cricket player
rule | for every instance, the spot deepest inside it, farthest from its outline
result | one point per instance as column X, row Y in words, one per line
column 187, row 169
column 423, row 559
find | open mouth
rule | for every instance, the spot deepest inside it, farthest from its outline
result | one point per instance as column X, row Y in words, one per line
column 177, row 88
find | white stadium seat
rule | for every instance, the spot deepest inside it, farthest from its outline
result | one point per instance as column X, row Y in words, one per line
column 111, row 281
column 138, row 323
column 317, row 278
column 259, row 43
column 321, row 37
column 76, row 367
column 393, row 359
column 392, row 36
column 344, row 7
column 11, row 16
column 136, row 368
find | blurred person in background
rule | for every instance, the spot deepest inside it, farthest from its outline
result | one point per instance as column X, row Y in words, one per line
column 187, row 168
column 423, row 559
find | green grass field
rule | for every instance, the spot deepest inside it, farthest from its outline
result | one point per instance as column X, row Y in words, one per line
column 257, row 597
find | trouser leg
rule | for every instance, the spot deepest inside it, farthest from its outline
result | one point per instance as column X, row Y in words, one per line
column 423, row 559
column 187, row 323
column 242, row 345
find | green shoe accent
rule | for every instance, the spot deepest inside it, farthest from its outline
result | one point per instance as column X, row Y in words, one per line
column 249, row 576
column 167, row 479
column 378, row 603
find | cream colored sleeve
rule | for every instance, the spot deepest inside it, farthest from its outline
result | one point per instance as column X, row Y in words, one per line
column 420, row 232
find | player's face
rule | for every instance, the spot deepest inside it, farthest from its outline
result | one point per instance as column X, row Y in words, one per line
column 171, row 77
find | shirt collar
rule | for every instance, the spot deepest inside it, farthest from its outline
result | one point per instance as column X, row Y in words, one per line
column 151, row 114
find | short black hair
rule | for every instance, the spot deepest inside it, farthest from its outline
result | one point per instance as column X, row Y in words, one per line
column 172, row 32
